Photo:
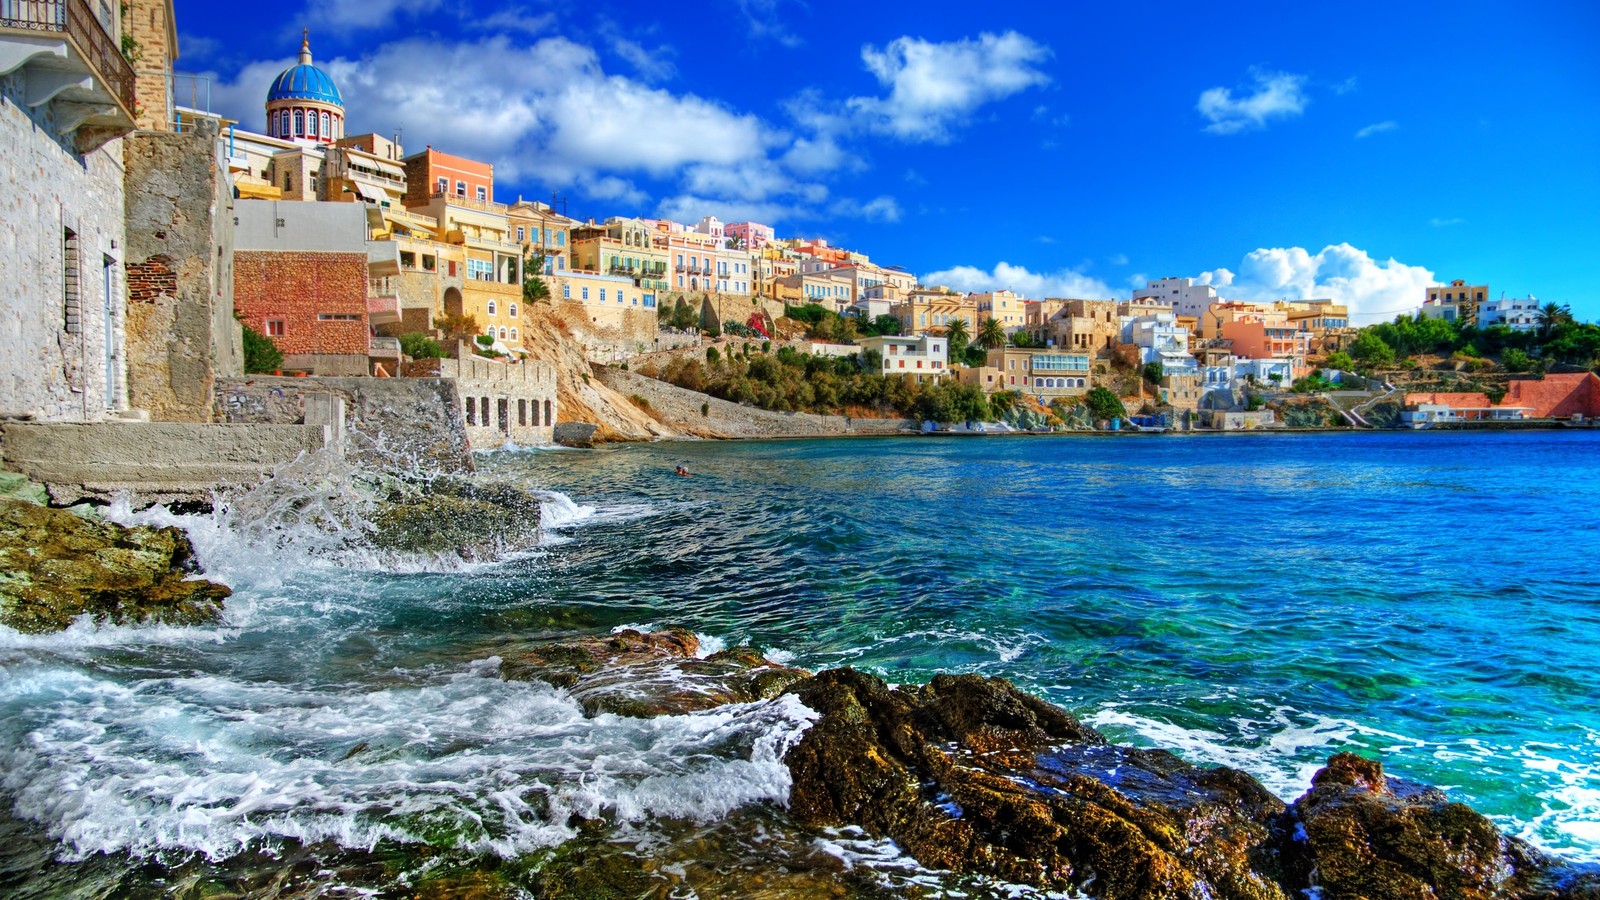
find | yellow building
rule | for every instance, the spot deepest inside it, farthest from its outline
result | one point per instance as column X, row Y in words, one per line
column 1005, row 307
column 1045, row 374
column 924, row 311
column 544, row 235
column 625, row 248
column 608, row 301
column 1456, row 301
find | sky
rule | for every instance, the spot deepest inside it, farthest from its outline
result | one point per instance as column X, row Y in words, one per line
column 1358, row 152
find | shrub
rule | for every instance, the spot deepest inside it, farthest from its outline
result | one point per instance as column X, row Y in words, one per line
column 641, row 402
column 419, row 346
column 260, row 353
column 484, row 340
column 1103, row 404
column 705, row 409
column 712, row 355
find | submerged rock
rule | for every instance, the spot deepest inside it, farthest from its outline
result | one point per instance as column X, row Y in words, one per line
column 646, row 674
column 56, row 566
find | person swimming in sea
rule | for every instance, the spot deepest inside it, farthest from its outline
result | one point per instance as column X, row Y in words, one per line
column 682, row 471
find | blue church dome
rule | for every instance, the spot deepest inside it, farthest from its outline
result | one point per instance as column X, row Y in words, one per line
column 305, row 82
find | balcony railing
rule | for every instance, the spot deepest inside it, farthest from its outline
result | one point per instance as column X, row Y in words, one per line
column 78, row 22
column 471, row 202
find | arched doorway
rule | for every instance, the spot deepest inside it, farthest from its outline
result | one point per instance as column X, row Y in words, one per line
column 452, row 301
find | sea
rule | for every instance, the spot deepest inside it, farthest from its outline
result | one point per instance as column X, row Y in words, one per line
column 1431, row 600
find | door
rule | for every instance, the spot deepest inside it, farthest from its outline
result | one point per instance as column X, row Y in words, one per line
column 108, row 310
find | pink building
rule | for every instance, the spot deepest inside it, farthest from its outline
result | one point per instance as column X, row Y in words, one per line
column 754, row 235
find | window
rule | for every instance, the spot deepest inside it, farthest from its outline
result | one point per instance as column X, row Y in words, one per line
column 502, row 332
column 311, row 126
column 472, row 412
column 480, row 270
column 566, row 292
column 286, row 181
column 522, row 406
column 512, row 312
column 429, row 263
column 452, row 268
column 585, row 293
column 491, row 307
column 444, row 186
column 274, row 328
column 521, row 234
column 483, row 194
column 327, row 126
column 561, row 239
column 602, row 295
column 461, row 189
column 338, row 317
column 548, row 419
column 514, row 334
column 299, row 122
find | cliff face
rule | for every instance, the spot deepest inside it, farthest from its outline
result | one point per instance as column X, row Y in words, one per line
column 552, row 337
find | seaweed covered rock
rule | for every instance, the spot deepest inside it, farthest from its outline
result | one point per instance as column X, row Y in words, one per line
column 56, row 566
column 458, row 517
column 970, row 774
column 647, row 674
column 1362, row 834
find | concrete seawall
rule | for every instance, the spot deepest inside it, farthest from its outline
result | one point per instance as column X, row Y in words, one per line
column 155, row 462
column 681, row 410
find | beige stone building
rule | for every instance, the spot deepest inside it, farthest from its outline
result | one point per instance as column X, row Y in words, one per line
column 1045, row 374
column 1091, row 326
column 932, row 311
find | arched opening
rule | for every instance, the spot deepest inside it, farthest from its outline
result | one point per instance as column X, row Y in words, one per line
column 452, row 301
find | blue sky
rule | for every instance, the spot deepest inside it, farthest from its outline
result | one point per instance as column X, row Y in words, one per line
column 1358, row 151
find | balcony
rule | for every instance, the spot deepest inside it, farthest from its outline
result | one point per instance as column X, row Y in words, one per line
column 67, row 59
column 488, row 206
column 383, row 347
column 383, row 309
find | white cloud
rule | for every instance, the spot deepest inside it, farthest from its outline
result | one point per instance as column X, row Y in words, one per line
column 516, row 20
column 1118, row 259
column 652, row 65
column 1446, row 223
column 879, row 209
column 367, row 13
column 935, row 87
column 1066, row 283
column 545, row 111
column 1372, row 289
column 1346, row 86
column 1377, row 128
column 1277, row 95
column 766, row 21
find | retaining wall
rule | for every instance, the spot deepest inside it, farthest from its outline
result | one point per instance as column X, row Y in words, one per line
column 680, row 409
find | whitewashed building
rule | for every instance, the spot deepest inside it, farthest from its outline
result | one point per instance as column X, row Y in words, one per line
column 66, row 100
column 924, row 357
column 1184, row 296
column 1159, row 338
column 1516, row 314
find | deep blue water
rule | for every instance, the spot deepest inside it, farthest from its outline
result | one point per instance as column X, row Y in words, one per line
column 1432, row 600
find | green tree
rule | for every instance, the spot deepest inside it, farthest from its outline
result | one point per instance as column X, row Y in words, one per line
column 1340, row 360
column 1153, row 371
column 260, row 353
column 992, row 334
column 886, row 324
column 1551, row 317
column 1103, row 404
column 1370, row 349
column 959, row 338
column 1021, row 339
column 1516, row 361
column 419, row 346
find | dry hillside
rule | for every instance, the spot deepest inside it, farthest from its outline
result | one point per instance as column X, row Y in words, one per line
column 549, row 337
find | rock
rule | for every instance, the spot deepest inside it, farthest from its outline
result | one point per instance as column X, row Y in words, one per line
column 56, row 566
column 1365, row 835
column 18, row 487
column 972, row 775
column 632, row 673
column 457, row 517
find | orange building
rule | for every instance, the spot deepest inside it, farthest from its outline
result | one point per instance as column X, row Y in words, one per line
column 433, row 174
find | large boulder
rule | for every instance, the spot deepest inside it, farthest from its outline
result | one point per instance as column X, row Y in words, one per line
column 970, row 774
column 56, row 566
column 1362, row 834
column 646, row 674
column 475, row 520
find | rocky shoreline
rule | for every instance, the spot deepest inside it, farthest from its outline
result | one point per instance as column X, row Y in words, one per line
column 970, row 775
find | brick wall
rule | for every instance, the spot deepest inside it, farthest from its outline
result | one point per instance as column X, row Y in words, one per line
column 151, row 280
column 298, row 288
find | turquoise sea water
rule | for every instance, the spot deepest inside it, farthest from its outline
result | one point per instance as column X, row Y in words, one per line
column 1432, row 600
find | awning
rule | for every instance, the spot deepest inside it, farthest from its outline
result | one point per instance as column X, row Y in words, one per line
column 249, row 190
column 370, row 193
column 389, row 169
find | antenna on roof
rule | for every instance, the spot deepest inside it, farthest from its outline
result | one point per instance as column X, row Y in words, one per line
column 558, row 201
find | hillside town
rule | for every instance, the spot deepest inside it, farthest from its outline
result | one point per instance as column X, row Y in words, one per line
column 180, row 270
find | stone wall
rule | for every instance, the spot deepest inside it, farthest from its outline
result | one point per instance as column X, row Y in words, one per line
column 390, row 423
column 149, row 23
column 154, row 462
column 681, row 409
column 502, row 403
column 297, row 288
column 61, row 237
column 181, row 331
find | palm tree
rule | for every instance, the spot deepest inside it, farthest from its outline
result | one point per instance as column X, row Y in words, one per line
column 991, row 334
column 1550, row 317
column 959, row 339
